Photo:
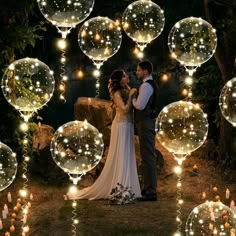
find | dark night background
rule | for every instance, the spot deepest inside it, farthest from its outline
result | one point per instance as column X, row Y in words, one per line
column 56, row 113
column 26, row 33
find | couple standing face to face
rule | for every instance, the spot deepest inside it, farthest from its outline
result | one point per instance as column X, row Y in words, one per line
column 121, row 76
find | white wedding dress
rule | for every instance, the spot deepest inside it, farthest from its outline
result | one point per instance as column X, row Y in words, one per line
column 120, row 166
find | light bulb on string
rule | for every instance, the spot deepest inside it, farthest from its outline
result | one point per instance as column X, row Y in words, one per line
column 80, row 74
column 185, row 92
column 138, row 53
column 62, row 45
column 96, row 74
column 188, row 80
column 165, row 77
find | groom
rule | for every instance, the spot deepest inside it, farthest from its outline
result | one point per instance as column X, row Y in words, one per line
column 146, row 130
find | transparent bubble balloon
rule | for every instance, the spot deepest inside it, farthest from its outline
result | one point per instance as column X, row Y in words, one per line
column 227, row 101
column 211, row 218
column 28, row 84
column 65, row 13
column 143, row 21
column 8, row 166
column 192, row 41
column 77, row 147
column 181, row 127
column 99, row 38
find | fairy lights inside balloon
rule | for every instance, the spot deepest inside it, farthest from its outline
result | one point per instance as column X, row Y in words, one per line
column 211, row 218
column 192, row 41
column 65, row 14
column 227, row 101
column 8, row 166
column 99, row 38
column 143, row 21
column 77, row 147
column 182, row 127
column 28, row 84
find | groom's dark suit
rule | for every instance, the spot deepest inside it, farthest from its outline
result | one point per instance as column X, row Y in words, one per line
column 146, row 132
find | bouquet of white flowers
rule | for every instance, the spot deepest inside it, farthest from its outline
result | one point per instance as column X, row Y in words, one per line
column 121, row 195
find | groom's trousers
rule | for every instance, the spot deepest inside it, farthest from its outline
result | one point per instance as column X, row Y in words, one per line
column 146, row 133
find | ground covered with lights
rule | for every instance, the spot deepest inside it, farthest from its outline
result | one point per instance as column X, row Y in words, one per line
column 50, row 214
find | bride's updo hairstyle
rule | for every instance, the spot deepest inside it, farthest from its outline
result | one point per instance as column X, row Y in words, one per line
column 115, row 85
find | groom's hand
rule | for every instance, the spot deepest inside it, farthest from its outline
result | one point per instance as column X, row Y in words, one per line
column 133, row 93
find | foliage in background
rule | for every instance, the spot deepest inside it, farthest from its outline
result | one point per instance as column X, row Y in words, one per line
column 17, row 33
column 206, row 92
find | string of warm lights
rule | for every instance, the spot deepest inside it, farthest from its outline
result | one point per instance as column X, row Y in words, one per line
column 62, row 44
column 179, row 201
column 74, row 219
column 72, row 192
column 24, row 193
column 96, row 74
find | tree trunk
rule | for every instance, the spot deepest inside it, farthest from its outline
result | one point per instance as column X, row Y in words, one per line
column 224, row 57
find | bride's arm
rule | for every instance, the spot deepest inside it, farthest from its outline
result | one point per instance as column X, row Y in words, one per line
column 120, row 104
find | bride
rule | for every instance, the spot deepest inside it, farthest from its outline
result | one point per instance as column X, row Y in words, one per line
column 120, row 166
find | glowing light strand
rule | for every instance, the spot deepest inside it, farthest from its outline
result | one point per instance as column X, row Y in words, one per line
column 74, row 218
column 62, row 84
column 96, row 74
column 97, row 88
column 179, row 201
column 178, row 204
column 24, row 190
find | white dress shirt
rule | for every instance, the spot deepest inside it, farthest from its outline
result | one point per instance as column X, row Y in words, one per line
column 145, row 92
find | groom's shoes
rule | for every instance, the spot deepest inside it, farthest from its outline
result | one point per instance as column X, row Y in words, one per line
column 147, row 197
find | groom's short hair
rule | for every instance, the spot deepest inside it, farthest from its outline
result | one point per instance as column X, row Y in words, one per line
column 146, row 65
